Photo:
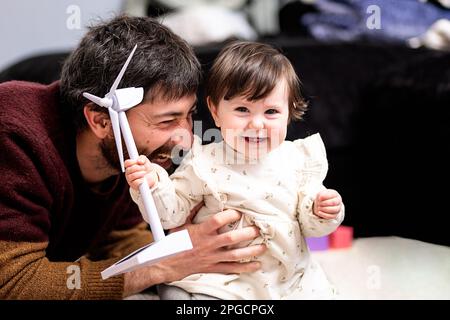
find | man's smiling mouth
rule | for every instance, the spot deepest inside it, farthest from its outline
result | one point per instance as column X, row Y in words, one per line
column 164, row 160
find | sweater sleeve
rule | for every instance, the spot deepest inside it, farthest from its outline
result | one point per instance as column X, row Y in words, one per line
column 28, row 274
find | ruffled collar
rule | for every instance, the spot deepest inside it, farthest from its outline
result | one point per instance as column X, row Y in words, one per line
column 234, row 157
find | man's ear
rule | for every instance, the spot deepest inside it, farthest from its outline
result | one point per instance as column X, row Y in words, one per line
column 98, row 122
column 213, row 109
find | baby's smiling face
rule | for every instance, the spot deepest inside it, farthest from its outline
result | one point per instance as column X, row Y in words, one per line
column 254, row 128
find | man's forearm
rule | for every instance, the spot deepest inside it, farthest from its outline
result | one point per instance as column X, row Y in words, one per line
column 28, row 274
column 141, row 279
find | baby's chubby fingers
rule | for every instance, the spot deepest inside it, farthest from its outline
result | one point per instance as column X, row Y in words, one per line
column 142, row 160
column 140, row 164
column 330, row 209
column 335, row 201
column 327, row 194
column 129, row 163
column 132, row 176
column 327, row 204
column 135, row 168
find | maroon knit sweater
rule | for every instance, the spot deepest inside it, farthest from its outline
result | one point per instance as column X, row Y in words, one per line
column 44, row 201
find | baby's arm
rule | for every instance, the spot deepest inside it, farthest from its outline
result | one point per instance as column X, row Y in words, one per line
column 320, row 210
column 174, row 199
column 320, row 213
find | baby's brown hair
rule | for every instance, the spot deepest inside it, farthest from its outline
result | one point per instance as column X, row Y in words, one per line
column 252, row 70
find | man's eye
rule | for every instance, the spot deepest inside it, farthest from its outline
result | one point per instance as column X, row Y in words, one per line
column 272, row 111
column 241, row 109
column 168, row 121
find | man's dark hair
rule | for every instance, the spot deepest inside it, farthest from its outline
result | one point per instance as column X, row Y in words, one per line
column 253, row 69
column 163, row 63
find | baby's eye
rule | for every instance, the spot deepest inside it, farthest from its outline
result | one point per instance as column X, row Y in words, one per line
column 241, row 109
column 271, row 111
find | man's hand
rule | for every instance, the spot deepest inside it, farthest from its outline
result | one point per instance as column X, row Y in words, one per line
column 209, row 254
column 327, row 204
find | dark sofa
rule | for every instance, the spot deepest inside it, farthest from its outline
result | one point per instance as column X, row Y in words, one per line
column 382, row 111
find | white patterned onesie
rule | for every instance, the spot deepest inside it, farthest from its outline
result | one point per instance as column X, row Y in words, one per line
column 276, row 194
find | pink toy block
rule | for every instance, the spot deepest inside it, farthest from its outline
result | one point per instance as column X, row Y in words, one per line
column 341, row 238
column 318, row 244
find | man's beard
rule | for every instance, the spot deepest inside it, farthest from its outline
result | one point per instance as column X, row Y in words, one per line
column 109, row 152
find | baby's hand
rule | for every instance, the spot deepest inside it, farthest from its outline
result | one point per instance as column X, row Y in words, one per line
column 327, row 204
column 136, row 170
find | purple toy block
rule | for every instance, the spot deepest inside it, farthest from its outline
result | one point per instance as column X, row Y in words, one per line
column 318, row 244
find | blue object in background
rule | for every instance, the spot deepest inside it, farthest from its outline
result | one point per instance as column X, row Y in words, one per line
column 346, row 20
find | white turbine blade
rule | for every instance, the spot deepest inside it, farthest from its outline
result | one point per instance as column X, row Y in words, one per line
column 116, row 130
column 129, row 97
column 122, row 71
column 97, row 100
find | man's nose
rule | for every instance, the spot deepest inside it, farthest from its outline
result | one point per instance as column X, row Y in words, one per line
column 185, row 124
column 182, row 137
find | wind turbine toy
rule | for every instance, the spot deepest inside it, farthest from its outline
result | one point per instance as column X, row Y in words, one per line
column 118, row 101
